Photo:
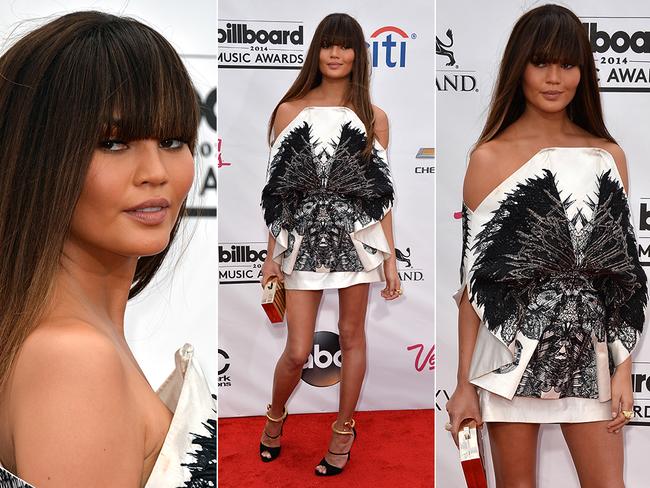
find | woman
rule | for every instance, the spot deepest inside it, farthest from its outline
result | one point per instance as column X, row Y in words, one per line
column 327, row 203
column 553, row 296
column 97, row 133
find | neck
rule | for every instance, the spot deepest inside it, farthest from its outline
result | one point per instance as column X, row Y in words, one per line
column 545, row 124
column 333, row 91
column 93, row 285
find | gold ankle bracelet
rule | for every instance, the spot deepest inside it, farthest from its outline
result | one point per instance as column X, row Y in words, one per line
column 349, row 424
column 284, row 414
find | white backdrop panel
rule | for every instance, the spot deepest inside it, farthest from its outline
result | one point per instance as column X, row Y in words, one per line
column 248, row 344
column 480, row 31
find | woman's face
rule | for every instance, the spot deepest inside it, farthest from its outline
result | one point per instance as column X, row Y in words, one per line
column 336, row 61
column 132, row 195
column 550, row 87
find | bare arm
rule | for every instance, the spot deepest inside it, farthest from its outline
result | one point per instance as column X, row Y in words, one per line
column 74, row 421
column 463, row 404
column 393, row 284
column 286, row 113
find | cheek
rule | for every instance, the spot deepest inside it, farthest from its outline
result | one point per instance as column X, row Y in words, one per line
column 573, row 80
column 101, row 198
column 181, row 173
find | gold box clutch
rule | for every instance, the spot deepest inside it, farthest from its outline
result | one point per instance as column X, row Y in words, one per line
column 274, row 301
column 470, row 445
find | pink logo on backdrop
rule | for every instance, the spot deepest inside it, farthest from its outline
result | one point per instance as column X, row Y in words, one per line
column 220, row 161
column 423, row 359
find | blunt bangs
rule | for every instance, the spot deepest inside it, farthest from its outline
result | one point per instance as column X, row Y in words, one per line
column 339, row 30
column 117, row 78
column 557, row 39
column 147, row 91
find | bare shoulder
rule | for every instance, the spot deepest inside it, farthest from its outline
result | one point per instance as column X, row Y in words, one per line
column 619, row 157
column 381, row 126
column 287, row 111
column 381, row 119
column 483, row 172
column 72, row 414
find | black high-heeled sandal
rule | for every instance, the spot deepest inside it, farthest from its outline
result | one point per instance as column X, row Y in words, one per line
column 273, row 451
column 334, row 470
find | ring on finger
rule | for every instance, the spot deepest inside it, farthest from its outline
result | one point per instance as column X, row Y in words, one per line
column 628, row 414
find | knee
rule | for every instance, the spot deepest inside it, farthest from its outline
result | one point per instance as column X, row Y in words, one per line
column 351, row 336
column 296, row 356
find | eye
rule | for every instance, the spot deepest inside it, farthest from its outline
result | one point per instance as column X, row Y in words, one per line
column 325, row 45
column 171, row 144
column 113, row 145
column 567, row 65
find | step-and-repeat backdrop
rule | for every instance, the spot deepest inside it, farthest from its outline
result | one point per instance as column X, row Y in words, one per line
column 256, row 67
column 180, row 306
column 471, row 36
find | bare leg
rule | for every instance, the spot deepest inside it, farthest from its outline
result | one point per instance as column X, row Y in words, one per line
column 597, row 454
column 514, row 453
column 353, row 302
column 302, row 307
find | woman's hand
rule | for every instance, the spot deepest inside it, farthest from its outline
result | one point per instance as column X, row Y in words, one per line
column 622, row 398
column 463, row 405
column 393, row 289
column 271, row 269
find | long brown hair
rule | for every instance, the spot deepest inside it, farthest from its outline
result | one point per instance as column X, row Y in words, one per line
column 546, row 34
column 341, row 30
column 64, row 87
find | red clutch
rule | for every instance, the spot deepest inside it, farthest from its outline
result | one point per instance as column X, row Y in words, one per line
column 274, row 301
column 470, row 444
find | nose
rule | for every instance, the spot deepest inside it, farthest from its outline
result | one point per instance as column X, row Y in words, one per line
column 150, row 167
column 335, row 51
column 553, row 73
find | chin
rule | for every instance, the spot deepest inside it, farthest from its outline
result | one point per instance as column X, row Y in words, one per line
column 146, row 246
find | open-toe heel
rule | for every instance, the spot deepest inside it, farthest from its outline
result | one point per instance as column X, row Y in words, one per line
column 334, row 470
column 274, row 452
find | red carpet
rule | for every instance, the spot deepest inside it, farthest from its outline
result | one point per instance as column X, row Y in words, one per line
column 394, row 449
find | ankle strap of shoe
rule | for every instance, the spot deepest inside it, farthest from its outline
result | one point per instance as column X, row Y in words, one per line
column 349, row 424
column 280, row 419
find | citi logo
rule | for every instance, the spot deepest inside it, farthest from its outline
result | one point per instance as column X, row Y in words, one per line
column 241, row 254
column 235, row 33
column 618, row 41
column 391, row 52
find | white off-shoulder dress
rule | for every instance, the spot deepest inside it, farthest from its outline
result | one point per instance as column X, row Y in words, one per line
column 550, row 264
column 188, row 458
column 323, row 201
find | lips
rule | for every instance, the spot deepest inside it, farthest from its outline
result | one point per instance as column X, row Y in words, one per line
column 149, row 212
column 552, row 94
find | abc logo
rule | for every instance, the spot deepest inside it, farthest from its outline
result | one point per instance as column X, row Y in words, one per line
column 323, row 366
column 223, row 361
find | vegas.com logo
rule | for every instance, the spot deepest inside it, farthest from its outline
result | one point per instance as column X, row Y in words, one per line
column 388, row 47
column 621, row 47
column 323, row 366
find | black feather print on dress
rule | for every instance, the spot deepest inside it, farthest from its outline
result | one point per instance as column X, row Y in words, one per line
column 320, row 191
column 203, row 470
column 8, row 480
column 563, row 281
